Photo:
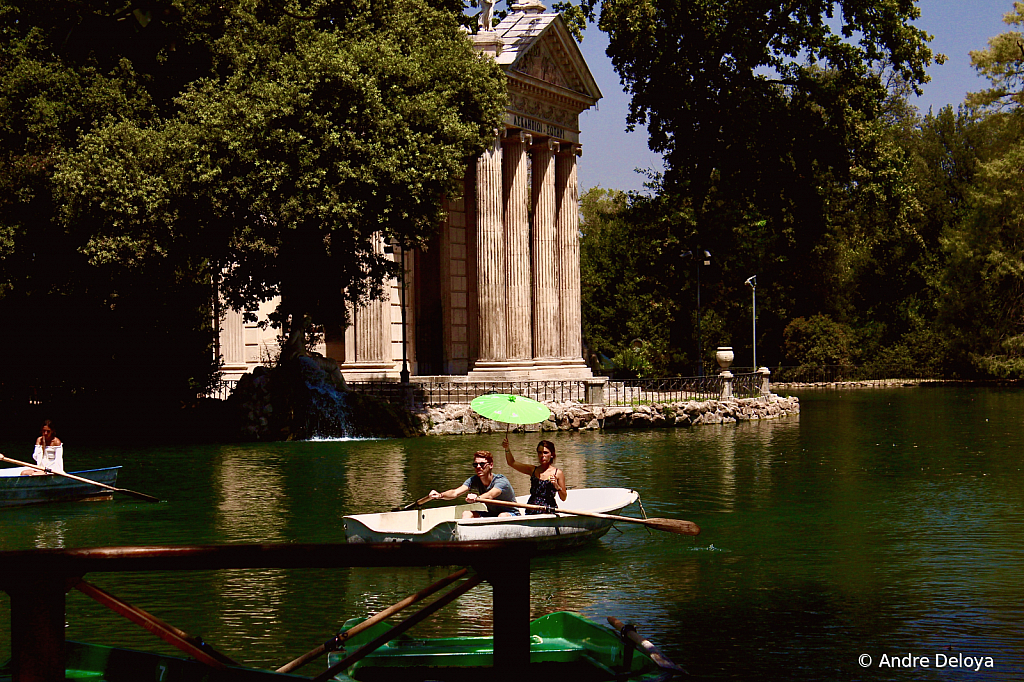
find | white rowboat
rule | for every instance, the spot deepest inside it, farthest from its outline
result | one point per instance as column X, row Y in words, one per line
column 445, row 524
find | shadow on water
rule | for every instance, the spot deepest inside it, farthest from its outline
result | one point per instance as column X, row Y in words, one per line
column 877, row 522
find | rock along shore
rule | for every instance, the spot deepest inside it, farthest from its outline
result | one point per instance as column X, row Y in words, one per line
column 459, row 419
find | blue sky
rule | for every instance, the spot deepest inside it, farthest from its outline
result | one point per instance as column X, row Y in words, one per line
column 610, row 155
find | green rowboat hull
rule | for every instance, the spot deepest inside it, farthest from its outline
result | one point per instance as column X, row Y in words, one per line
column 563, row 646
column 95, row 663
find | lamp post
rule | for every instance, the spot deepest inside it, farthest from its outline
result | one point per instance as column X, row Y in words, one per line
column 752, row 283
column 704, row 256
column 394, row 247
column 404, row 374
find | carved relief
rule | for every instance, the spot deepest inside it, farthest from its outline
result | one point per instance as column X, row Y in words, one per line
column 542, row 61
column 523, row 104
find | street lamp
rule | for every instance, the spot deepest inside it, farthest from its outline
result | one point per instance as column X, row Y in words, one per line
column 752, row 283
column 704, row 256
column 394, row 248
column 404, row 374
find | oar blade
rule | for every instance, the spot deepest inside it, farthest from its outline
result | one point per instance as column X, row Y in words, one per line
column 138, row 496
column 677, row 526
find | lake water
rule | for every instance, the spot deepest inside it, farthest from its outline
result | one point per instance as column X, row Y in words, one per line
column 877, row 522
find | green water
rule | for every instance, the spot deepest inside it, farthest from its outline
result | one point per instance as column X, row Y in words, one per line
column 879, row 522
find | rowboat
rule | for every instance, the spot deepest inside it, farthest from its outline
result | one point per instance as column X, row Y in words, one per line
column 563, row 645
column 17, row 490
column 96, row 663
column 445, row 524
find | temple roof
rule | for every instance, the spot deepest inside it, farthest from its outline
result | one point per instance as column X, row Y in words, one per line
column 538, row 49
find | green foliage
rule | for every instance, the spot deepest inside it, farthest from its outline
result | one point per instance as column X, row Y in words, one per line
column 628, row 270
column 272, row 146
column 1003, row 65
column 818, row 341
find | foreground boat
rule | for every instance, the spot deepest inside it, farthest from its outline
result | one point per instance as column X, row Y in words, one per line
column 17, row 490
column 445, row 524
column 97, row 663
column 563, row 646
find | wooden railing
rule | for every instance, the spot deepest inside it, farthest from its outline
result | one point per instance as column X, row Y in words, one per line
column 37, row 581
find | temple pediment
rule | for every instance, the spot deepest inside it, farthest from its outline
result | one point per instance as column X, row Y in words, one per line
column 549, row 81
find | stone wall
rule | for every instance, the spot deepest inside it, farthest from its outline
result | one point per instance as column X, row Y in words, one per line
column 459, row 419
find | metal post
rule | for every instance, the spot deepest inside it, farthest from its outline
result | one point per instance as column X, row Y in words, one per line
column 404, row 374
column 700, row 336
column 752, row 283
column 511, row 590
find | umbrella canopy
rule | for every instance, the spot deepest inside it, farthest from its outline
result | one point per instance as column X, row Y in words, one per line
column 510, row 409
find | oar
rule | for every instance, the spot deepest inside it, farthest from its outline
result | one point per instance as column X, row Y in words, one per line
column 677, row 526
column 192, row 646
column 640, row 642
column 335, row 643
column 130, row 493
column 412, row 620
column 417, row 503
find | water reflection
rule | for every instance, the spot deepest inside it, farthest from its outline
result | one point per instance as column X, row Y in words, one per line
column 375, row 476
column 251, row 501
column 859, row 527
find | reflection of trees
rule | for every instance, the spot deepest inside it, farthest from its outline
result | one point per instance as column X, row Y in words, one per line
column 251, row 507
column 50, row 534
column 375, row 478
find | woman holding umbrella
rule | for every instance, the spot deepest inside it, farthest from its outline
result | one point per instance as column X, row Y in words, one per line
column 546, row 480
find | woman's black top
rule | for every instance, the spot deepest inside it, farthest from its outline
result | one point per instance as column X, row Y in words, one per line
column 541, row 492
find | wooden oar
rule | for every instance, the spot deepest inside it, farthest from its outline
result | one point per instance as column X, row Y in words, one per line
column 130, row 493
column 412, row 620
column 677, row 526
column 335, row 643
column 637, row 639
column 417, row 503
column 192, row 646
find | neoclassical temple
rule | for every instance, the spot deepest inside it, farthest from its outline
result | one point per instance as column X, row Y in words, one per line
column 496, row 297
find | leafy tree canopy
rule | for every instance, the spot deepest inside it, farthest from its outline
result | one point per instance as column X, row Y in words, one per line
column 279, row 143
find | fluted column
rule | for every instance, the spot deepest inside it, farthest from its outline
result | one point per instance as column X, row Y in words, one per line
column 490, row 255
column 519, row 313
column 373, row 325
column 567, row 227
column 546, row 322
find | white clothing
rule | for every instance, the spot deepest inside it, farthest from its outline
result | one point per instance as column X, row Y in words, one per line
column 52, row 459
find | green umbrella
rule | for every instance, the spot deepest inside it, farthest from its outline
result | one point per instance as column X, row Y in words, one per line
column 510, row 409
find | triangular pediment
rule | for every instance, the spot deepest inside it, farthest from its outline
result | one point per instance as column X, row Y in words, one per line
column 539, row 51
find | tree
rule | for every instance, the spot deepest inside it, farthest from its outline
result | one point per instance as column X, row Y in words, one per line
column 983, row 283
column 275, row 146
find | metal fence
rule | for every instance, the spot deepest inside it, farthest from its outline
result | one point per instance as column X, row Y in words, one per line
column 222, row 389
column 446, row 392
column 679, row 389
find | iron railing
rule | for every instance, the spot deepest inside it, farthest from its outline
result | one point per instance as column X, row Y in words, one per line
column 460, row 392
column 679, row 389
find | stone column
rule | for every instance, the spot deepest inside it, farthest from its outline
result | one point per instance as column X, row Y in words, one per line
column 546, row 321
column 567, row 226
column 490, row 256
column 368, row 353
column 517, row 247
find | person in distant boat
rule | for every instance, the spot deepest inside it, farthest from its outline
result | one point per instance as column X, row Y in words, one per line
column 546, row 480
column 48, row 453
column 485, row 485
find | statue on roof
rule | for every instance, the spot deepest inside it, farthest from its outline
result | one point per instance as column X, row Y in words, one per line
column 486, row 17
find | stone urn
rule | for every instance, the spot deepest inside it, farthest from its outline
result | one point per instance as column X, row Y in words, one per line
column 724, row 356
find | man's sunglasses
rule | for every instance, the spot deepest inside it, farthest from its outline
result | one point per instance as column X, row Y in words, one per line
column 479, row 465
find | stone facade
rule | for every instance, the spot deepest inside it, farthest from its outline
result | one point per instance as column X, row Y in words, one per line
column 497, row 296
